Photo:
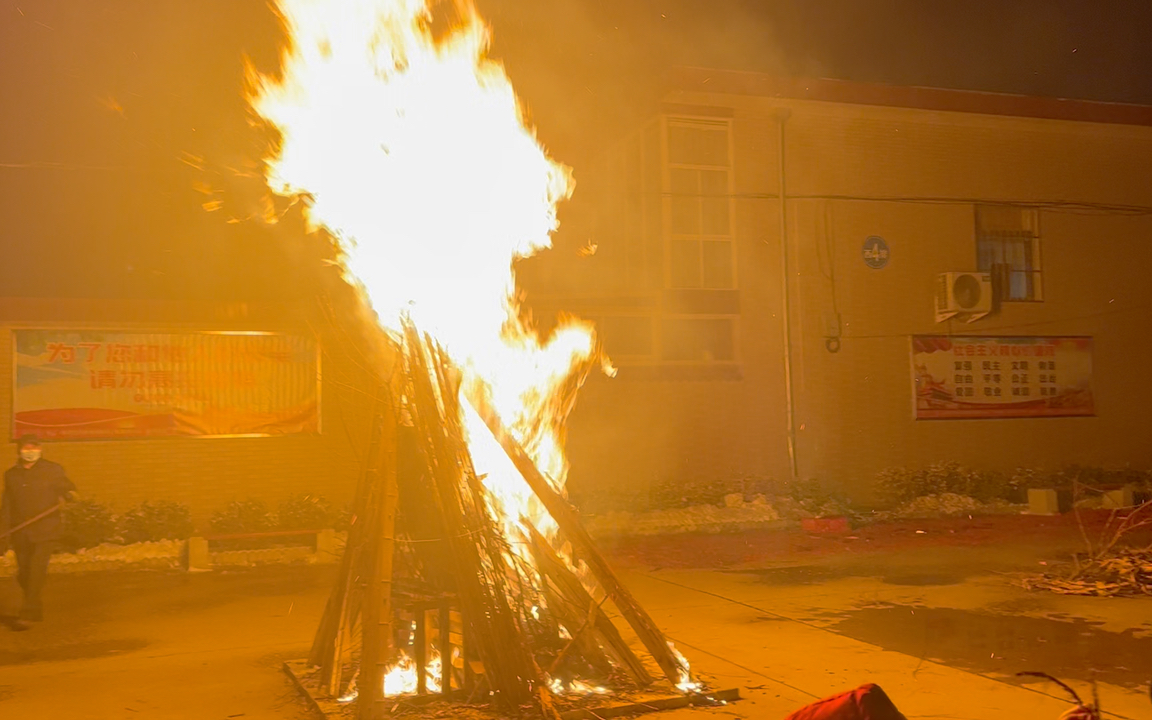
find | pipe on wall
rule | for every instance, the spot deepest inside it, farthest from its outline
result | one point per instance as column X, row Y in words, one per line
column 782, row 115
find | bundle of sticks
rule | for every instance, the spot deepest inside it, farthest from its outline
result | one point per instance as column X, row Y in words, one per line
column 532, row 622
column 1124, row 573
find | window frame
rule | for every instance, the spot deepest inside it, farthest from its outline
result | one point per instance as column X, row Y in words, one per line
column 667, row 167
column 1032, row 233
column 657, row 320
column 642, row 359
column 659, row 345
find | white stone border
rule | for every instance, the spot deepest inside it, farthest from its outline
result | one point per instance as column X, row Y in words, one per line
column 192, row 555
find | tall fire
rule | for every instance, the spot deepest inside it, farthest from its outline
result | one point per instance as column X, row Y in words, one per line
column 470, row 576
column 414, row 154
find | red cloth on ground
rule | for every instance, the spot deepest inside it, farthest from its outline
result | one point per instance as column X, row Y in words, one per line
column 867, row 702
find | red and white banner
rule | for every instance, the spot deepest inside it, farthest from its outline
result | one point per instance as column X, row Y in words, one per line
column 1002, row 377
column 90, row 385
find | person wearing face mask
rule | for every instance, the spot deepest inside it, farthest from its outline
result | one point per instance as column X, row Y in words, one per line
column 33, row 487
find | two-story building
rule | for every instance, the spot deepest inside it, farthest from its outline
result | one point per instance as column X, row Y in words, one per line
column 822, row 279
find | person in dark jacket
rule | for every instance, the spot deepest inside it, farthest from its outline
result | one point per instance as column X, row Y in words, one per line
column 32, row 487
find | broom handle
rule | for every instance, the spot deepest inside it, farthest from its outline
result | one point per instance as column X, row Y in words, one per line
column 26, row 523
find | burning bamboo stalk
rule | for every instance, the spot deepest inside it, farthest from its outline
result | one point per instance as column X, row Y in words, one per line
column 579, row 637
column 569, row 523
column 330, row 643
column 576, row 621
column 376, row 618
column 550, row 564
column 337, row 644
column 333, row 666
column 473, row 544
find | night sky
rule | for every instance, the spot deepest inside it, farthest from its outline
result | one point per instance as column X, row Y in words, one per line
column 115, row 112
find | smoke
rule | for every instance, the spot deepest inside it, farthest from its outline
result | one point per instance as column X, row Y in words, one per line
column 105, row 101
column 590, row 68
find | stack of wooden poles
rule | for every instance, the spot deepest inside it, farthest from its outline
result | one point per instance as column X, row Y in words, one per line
column 532, row 622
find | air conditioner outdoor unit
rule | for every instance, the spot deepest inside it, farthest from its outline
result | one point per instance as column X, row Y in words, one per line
column 965, row 296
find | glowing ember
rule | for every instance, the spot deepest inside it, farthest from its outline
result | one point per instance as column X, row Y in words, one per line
column 351, row 693
column 581, row 688
column 574, row 687
column 400, row 678
column 415, row 156
column 434, row 672
column 686, row 684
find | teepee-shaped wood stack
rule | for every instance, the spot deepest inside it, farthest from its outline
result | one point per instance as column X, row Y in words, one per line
column 429, row 572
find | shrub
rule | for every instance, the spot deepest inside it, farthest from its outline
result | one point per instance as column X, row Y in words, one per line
column 305, row 512
column 152, row 521
column 1024, row 478
column 1095, row 478
column 86, row 523
column 678, row 492
column 816, row 499
column 243, row 516
column 899, row 485
column 342, row 521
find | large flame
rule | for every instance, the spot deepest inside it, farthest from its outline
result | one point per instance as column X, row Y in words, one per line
column 413, row 151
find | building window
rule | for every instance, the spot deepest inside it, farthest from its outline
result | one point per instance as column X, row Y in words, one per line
column 678, row 339
column 1008, row 247
column 627, row 337
column 698, row 340
column 700, row 249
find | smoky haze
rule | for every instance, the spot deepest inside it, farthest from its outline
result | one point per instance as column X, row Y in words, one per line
column 115, row 111
column 581, row 61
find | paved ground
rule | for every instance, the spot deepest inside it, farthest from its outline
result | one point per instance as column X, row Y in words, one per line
column 934, row 618
column 930, row 611
column 163, row 645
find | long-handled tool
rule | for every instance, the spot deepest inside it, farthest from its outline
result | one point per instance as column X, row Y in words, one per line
column 26, row 523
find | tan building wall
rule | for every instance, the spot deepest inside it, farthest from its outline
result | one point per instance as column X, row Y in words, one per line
column 860, row 166
column 660, row 430
column 206, row 474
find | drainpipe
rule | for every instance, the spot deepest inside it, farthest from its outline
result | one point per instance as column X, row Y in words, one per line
column 782, row 114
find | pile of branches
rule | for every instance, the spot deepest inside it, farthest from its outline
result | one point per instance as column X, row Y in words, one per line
column 1110, row 568
column 537, row 633
column 1124, row 573
column 535, row 625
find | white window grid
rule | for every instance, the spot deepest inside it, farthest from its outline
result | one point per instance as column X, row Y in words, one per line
column 670, row 237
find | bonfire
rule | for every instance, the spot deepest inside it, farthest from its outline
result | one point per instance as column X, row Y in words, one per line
column 467, row 575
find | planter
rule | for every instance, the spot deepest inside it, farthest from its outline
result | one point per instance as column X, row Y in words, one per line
column 1046, row 501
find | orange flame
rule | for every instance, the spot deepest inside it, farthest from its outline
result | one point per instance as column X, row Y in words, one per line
column 400, row 678
column 414, row 153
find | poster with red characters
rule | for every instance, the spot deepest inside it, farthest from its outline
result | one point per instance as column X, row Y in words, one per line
column 958, row 377
column 101, row 385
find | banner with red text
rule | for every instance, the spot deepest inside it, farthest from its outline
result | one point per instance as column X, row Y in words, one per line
column 1002, row 377
column 94, row 385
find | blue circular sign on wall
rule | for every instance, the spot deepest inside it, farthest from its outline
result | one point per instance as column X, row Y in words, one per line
column 875, row 252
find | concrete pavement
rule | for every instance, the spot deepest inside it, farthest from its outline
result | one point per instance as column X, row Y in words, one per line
column 163, row 645
column 941, row 628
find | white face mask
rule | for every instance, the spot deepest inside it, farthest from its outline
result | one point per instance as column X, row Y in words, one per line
column 30, row 455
